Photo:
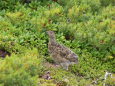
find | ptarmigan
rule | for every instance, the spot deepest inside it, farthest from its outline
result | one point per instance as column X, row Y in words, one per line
column 61, row 55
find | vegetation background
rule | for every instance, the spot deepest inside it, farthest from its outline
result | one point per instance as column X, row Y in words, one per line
column 85, row 26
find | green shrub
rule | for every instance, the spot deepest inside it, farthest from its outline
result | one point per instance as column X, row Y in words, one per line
column 6, row 4
column 89, row 66
column 107, row 2
column 21, row 70
column 85, row 26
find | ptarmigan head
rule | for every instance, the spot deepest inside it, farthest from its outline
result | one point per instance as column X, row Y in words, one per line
column 51, row 34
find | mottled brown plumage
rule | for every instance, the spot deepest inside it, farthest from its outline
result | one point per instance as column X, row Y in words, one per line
column 61, row 54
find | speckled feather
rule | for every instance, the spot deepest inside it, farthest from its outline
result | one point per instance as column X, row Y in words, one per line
column 60, row 53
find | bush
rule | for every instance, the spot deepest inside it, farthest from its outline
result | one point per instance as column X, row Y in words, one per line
column 107, row 2
column 85, row 26
column 21, row 70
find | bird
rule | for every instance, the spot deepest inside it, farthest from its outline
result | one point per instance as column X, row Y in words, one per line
column 61, row 55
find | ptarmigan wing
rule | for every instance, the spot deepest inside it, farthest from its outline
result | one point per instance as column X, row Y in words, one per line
column 66, row 53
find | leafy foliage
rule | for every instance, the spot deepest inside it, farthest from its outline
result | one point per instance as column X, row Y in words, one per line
column 21, row 70
column 85, row 26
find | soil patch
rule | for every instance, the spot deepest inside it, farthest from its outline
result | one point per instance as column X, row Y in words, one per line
column 4, row 53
